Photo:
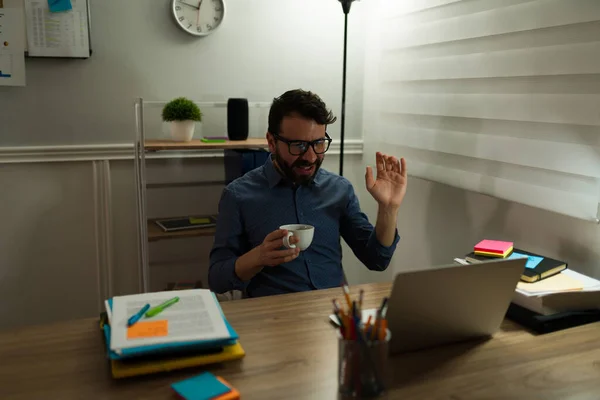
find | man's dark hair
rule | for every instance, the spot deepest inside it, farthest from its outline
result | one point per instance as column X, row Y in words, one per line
column 306, row 104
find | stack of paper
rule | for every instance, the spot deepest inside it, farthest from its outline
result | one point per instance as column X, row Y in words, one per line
column 566, row 291
column 192, row 331
column 195, row 317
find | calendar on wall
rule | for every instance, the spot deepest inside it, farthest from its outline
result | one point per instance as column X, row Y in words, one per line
column 58, row 34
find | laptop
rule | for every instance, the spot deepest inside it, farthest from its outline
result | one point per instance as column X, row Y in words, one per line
column 450, row 303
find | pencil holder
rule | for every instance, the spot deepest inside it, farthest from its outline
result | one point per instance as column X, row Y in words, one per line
column 362, row 367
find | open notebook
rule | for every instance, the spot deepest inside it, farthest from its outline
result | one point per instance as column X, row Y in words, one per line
column 196, row 321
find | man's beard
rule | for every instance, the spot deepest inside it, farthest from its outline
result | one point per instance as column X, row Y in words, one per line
column 288, row 170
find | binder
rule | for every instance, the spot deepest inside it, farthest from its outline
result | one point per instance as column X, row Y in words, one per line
column 542, row 324
column 151, row 365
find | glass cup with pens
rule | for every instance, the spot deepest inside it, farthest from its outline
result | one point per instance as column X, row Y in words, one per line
column 362, row 349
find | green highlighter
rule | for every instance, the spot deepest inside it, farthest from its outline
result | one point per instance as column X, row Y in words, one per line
column 159, row 308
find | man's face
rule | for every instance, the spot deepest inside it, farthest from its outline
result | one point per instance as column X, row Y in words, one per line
column 300, row 169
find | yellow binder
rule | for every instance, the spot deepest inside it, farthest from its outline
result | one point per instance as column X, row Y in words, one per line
column 145, row 366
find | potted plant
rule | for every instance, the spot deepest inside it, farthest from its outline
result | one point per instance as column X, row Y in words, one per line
column 182, row 115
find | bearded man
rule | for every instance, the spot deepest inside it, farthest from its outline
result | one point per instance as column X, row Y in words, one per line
column 248, row 253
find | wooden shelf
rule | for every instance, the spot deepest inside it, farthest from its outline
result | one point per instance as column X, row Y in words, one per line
column 197, row 144
column 156, row 233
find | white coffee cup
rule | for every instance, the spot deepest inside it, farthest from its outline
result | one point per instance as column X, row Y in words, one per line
column 304, row 234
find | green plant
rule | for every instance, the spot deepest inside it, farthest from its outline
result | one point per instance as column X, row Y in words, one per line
column 181, row 109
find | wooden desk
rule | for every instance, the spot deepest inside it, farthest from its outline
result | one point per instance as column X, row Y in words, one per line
column 292, row 354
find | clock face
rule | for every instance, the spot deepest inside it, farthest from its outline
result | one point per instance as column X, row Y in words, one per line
column 199, row 17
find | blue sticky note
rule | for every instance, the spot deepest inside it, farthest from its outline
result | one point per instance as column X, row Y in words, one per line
column 59, row 5
column 201, row 387
column 532, row 261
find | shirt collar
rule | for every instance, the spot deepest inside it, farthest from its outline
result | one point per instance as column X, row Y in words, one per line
column 274, row 176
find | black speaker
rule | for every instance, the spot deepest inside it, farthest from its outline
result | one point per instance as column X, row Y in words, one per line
column 237, row 119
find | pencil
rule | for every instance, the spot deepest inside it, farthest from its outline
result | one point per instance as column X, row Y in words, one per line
column 347, row 295
column 374, row 332
column 368, row 326
column 336, row 307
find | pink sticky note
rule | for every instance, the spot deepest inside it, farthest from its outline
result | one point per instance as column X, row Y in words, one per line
column 493, row 246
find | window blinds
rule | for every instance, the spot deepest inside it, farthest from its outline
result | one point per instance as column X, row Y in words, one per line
column 500, row 97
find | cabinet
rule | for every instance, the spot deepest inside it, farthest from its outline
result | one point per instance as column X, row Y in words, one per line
column 147, row 146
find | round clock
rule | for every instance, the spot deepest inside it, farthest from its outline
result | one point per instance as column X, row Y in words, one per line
column 198, row 17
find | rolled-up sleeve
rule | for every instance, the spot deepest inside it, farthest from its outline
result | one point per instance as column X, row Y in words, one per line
column 360, row 235
column 229, row 244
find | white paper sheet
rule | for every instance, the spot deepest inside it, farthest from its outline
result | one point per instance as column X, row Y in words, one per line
column 195, row 317
column 12, row 47
column 588, row 284
column 57, row 34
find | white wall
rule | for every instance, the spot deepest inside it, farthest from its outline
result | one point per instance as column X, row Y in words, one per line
column 438, row 222
column 69, row 232
column 263, row 48
column 499, row 97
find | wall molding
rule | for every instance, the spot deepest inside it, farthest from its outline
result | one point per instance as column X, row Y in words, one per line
column 122, row 151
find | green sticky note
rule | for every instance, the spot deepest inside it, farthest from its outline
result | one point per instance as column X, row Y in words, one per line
column 205, row 140
column 199, row 220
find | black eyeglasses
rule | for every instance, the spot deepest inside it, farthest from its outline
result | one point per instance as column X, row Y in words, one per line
column 299, row 147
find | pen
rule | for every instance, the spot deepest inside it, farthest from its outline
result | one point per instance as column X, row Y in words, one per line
column 135, row 318
column 158, row 309
column 383, row 304
column 360, row 301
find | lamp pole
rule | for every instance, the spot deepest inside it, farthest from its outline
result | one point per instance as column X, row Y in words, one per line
column 346, row 8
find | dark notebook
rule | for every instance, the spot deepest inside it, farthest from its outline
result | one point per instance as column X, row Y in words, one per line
column 543, row 267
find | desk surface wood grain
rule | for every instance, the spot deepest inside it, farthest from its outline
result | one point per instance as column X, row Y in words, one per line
column 292, row 354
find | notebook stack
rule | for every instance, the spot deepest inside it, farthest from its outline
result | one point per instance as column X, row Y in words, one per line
column 537, row 267
column 565, row 300
column 549, row 296
column 155, row 332
column 205, row 386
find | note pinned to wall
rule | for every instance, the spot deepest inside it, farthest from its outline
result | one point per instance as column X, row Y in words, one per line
column 57, row 34
column 12, row 47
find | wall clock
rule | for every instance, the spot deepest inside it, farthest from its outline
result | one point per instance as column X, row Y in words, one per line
column 198, row 17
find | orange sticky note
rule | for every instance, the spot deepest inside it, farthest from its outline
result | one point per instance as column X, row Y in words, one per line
column 231, row 395
column 147, row 329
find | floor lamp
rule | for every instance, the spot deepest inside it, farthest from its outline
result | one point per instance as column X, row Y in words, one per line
column 346, row 8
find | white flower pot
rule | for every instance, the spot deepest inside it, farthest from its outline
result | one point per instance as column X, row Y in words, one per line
column 183, row 131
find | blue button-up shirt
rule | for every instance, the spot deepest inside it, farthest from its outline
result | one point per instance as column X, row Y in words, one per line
column 259, row 202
